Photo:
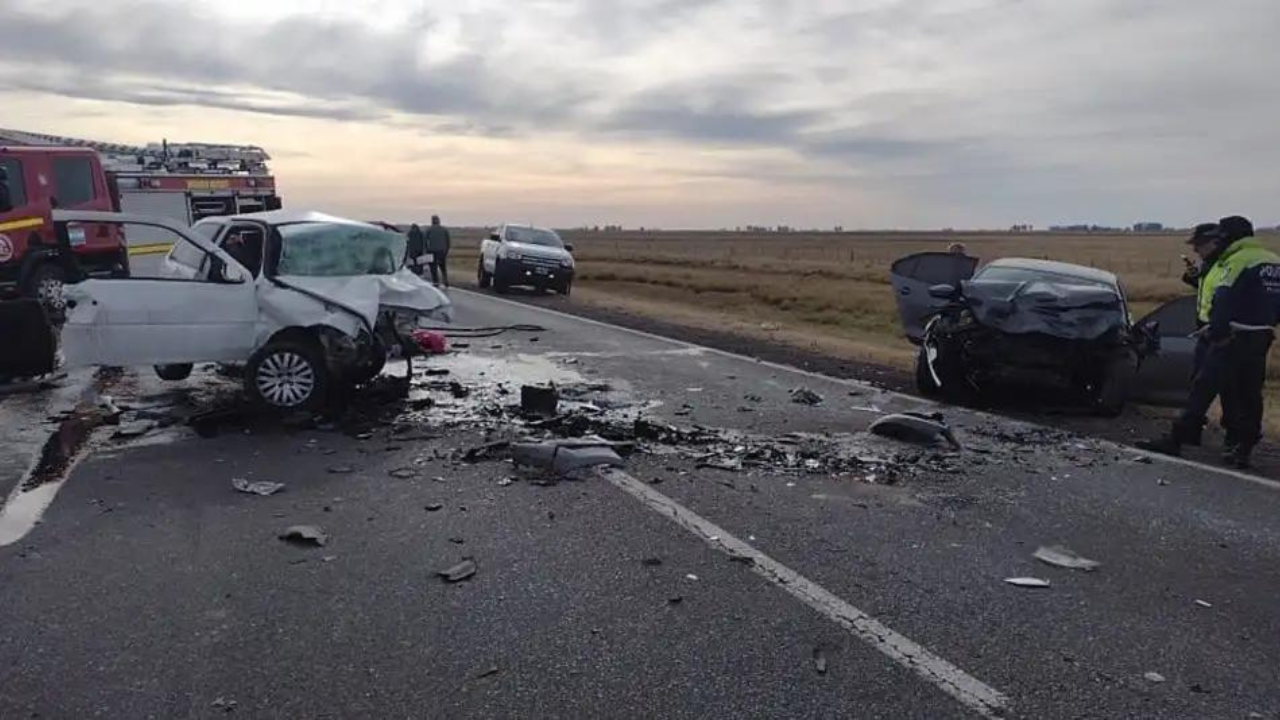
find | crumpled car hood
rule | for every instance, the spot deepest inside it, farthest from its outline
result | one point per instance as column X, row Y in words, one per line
column 366, row 294
column 1071, row 312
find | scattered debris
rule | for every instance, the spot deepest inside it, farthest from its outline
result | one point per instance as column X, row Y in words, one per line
column 459, row 572
column 435, row 372
column 224, row 704
column 488, row 673
column 431, row 342
column 341, row 470
column 805, row 396
column 328, row 558
column 404, row 473
column 1027, row 582
column 691, row 576
column 563, row 457
column 1204, row 604
column 484, row 452
column 433, row 507
column 1162, row 482
column 1198, row 688
column 753, row 398
column 820, row 661
column 921, row 428
column 675, row 599
column 133, row 428
column 504, row 482
column 1060, row 556
column 262, row 487
column 305, row 535
column 651, row 562
column 1153, row 677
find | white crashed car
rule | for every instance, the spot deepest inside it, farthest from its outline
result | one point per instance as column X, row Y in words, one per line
column 306, row 301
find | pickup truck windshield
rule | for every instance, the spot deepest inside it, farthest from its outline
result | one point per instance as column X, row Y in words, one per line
column 534, row 236
column 338, row 250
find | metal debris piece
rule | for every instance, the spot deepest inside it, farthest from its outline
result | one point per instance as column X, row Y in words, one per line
column 341, row 470
column 433, row 507
column 565, row 456
column 304, row 535
column 691, row 576
column 1065, row 558
column 921, row 428
column 1027, row 582
column 262, row 487
column 805, row 396
column 1154, row 677
column 539, row 401
column 404, row 473
column 1204, row 604
column 506, row 481
column 459, row 572
column 820, row 661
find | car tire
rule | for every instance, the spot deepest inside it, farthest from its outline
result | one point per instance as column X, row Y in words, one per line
column 566, row 289
column 483, row 279
column 924, row 379
column 1113, row 390
column 173, row 373
column 499, row 285
column 46, row 284
column 289, row 374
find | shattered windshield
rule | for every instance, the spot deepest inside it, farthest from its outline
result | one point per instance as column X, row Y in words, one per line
column 1005, row 273
column 335, row 250
column 533, row 236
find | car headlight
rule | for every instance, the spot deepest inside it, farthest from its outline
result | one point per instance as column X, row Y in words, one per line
column 506, row 254
column 566, row 262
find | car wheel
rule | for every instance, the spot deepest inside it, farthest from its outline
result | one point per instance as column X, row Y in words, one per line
column 483, row 279
column 1113, row 390
column 924, row 379
column 566, row 289
column 173, row 373
column 288, row 375
column 46, row 285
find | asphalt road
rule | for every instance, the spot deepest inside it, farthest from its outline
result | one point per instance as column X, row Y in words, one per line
column 152, row 589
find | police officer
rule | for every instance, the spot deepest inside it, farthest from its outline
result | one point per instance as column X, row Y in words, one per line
column 1242, row 288
column 1206, row 243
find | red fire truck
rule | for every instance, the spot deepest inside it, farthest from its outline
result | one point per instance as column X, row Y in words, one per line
column 183, row 182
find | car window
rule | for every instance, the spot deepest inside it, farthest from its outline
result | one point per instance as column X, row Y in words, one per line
column 17, row 188
column 338, row 250
column 244, row 243
column 72, row 181
column 187, row 255
column 935, row 268
column 1176, row 318
column 534, row 236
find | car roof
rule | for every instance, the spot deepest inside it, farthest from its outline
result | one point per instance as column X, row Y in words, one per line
column 289, row 217
column 1057, row 268
column 526, row 226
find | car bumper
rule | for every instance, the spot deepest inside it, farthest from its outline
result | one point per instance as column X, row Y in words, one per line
column 519, row 272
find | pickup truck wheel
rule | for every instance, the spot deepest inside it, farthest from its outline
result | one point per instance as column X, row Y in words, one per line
column 288, row 375
column 483, row 279
column 46, row 285
column 174, row 373
column 566, row 289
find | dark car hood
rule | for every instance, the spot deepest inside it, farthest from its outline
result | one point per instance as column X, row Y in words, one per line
column 1071, row 312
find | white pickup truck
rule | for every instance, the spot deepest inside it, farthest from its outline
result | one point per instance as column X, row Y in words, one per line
column 525, row 255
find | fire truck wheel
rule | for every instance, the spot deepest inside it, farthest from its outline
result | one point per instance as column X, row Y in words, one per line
column 46, row 285
column 483, row 279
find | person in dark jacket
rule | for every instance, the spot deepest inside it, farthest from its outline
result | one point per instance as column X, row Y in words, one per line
column 1243, row 292
column 438, row 246
column 417, row 248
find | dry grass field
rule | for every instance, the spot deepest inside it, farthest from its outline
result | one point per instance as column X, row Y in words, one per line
column 826, row 291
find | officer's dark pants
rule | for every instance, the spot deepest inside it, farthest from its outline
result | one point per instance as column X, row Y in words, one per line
column 1235, row 371
column 439, row 268
column 1242, row 388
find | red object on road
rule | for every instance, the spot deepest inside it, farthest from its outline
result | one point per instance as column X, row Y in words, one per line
column 431, row 342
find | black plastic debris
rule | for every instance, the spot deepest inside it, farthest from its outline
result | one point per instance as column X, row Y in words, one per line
column 651, row 562
column 805, row 396
column 435, row 372
column 304, row 535
column 539, row 401
column 458, row 390
column 462, row 571
column 433, row 507
column 920, row 428
column 262, row 487
column 820, row 661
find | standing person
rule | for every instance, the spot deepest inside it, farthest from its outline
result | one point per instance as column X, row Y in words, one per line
column 1243, row 294
column 438, row 245
column 417, row 248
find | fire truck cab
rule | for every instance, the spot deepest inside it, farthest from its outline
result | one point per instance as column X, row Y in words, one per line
column 34, row 262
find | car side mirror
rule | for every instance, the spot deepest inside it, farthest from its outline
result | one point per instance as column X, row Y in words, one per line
column 942, row 292
column 568, row 248
column 495, row 237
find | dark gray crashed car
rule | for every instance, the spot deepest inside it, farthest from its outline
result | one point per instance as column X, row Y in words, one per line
column 1037, row 323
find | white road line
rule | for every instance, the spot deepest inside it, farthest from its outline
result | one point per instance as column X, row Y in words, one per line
column 1167, row 459
column 968, row 690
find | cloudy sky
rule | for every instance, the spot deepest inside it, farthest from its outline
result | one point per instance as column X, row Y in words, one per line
column 687, row 113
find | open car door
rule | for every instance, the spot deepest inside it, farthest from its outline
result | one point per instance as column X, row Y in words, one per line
column 161, row 321
column 913, row 275
column 1165, row 378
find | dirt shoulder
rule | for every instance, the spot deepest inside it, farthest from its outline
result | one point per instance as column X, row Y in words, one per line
column 880, row 366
